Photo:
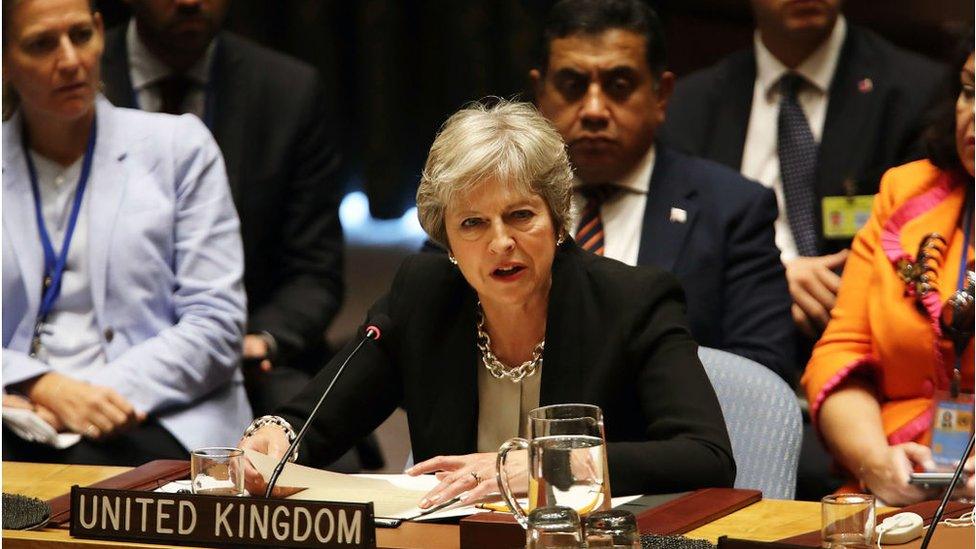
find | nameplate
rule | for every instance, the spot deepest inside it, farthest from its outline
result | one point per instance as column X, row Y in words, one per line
column 195, row 519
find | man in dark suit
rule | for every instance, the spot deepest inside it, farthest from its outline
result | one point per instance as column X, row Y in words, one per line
column 601, row 82
column 266, row 111
column 817, row 110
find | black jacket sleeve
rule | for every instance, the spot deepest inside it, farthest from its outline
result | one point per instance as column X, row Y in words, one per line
column 687, row 445
column 310, row 286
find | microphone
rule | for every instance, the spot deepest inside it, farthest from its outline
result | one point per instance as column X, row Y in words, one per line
column 374, row 331
column 945, row 498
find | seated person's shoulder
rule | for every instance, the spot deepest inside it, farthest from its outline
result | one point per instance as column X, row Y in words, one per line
column 901, row 62
column 621, row 283
column 158, row 129
column 707, row 79
column 427, row 273
column 901, row 183
column 717, row 184
column 282, row 72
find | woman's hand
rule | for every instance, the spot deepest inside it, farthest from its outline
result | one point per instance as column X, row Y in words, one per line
column 472, row 475
column 17, row 401
column 91, row 410
column 272, row 441
column 886, row 474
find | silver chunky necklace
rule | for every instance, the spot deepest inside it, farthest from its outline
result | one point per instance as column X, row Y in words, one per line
column 497, row 368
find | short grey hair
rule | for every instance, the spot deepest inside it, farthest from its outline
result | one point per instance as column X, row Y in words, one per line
column 506, row 141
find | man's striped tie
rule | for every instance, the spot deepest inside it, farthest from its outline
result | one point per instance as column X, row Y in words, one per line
column 589, row 235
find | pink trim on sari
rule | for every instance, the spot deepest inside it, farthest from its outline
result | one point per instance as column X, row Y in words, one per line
column 891, row 239
column 909, row 431
column 912, row 208
column 866, row 361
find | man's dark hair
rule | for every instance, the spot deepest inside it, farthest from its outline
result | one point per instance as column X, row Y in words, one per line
column 940, row 137
column 593, row 17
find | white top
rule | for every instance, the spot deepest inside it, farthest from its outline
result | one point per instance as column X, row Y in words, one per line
column 760, row 159
column 70, row 338
column 145, row 71
column 503, row 407
column 622, row 214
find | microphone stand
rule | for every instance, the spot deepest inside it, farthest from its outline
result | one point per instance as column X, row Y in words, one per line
column 371, row 333
column 945, row 499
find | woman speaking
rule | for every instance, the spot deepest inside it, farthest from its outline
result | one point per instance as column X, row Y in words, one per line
column 514, row 317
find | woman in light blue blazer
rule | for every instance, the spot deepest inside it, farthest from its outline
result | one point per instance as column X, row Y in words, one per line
column 123, row 306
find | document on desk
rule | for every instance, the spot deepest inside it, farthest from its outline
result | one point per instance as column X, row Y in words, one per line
column 393, row 496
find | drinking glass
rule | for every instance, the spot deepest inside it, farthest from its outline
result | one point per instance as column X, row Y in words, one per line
column 553, row 528
column 217, row 471
column 847, row 520
column 567, row 461
column 616, row 529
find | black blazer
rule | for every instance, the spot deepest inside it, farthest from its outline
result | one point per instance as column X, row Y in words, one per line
column 724, row 255
column 865, row 131
column 616, row 337
column 271, row 125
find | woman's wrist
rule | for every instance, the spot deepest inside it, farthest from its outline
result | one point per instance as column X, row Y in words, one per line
column 42, row 388
column 274, row 422
column 872, row 466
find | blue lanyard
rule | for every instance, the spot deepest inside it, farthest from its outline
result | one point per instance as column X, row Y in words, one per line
column 967, row 228
column 54, row 265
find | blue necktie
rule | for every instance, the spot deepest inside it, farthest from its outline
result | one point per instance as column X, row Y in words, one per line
column 798, row 153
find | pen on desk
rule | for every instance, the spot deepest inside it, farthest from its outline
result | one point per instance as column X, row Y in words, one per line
column 436, row 508
column 494, row 506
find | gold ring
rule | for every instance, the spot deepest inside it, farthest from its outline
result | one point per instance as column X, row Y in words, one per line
column 90, row 431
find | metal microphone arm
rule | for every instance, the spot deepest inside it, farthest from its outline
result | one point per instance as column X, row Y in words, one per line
column 945, row 499
column 371, row 333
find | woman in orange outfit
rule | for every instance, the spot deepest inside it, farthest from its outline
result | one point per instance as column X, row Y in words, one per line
column 875, row 374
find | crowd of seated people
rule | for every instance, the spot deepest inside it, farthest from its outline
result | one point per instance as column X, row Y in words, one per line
column 172, row 253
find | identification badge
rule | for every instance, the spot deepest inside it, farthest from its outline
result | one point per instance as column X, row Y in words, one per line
column 952, row 426
column 844, row 215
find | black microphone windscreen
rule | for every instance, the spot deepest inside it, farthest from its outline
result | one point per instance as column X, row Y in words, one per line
column 24, row 513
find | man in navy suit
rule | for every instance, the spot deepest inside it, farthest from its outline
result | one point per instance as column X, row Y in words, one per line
column 862, row 102
column 602, row 83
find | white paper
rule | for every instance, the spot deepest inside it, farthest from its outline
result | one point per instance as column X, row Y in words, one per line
column 393, row 496
column 30, row 427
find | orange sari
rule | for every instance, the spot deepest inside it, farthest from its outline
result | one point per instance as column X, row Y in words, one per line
column 878, row 329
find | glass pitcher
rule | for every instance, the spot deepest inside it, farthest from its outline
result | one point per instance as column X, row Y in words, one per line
column 567, row 461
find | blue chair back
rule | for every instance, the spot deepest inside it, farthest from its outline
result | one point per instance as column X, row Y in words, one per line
column 763, row 418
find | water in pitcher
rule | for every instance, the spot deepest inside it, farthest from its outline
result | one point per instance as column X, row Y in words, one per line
column 570, row 471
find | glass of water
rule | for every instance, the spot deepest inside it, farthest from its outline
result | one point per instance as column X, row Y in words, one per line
column 554, row 528
column 217, row 471
column 616, row 529
column 847, row 520
column 567, row 461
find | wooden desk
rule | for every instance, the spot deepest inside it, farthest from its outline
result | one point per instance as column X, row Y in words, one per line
column 766, row 520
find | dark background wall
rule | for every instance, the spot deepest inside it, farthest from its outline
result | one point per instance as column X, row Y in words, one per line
column 397, row 68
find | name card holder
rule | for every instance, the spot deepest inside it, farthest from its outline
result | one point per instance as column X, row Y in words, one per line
column 195, row 519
